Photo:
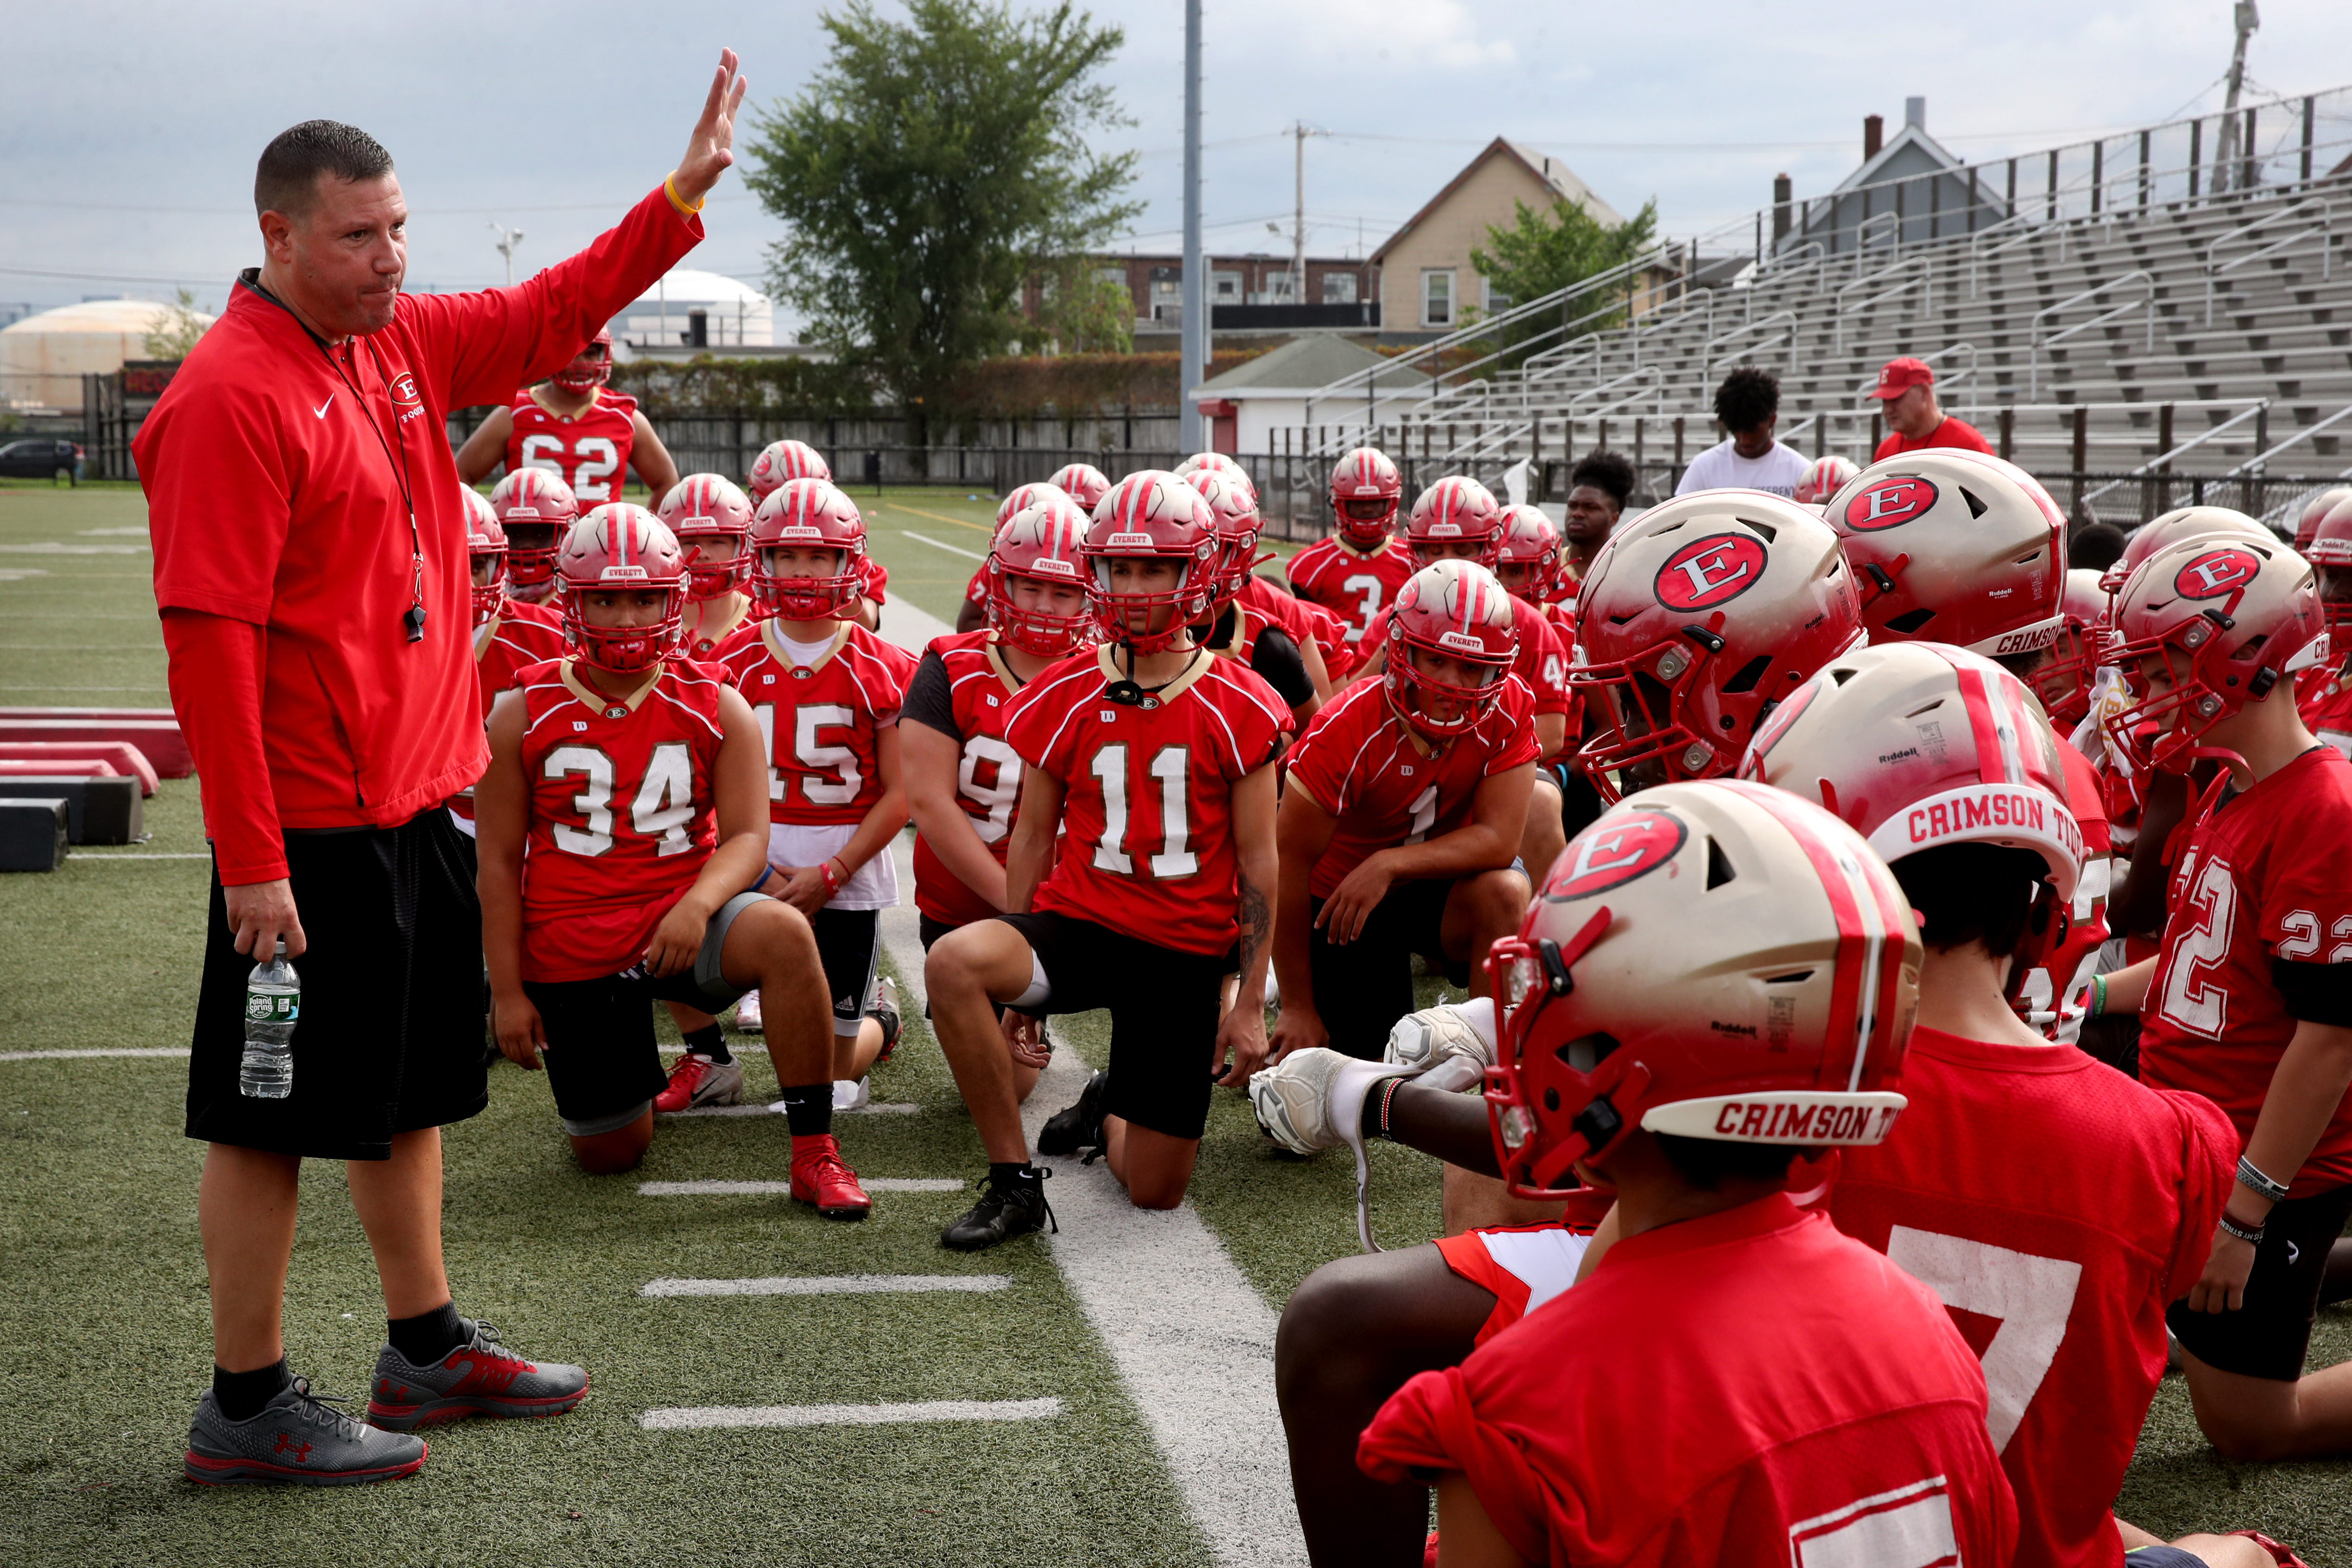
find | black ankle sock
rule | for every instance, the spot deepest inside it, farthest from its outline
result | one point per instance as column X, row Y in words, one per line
column 808, row 1108
column 425, row 1339
column 242, row 1395
column 1005, row 1170
column 710, row 1040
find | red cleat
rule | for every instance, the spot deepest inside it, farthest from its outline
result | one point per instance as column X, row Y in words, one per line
column 697, row 1081
column 819, row 1178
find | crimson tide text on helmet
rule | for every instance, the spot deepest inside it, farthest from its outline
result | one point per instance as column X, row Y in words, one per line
column 624, row 548
column 2169, row 529
column 485, row 540
column 780, row 462
column 1824, row 479
column 577, row 378
column 1694, row 620
column 1453, row 610
column 1366, row 491
column 1151, row 514
column 533, row 505
column 1707, row 960
column 1021, row 498
column 712, row 521
column 2062, row 682
column 1082, row 482
column 1955, row 547
column 2231, row 616
column 1455, row 510
column 1235, row 506
column 1045, row 543
column 1532, row 544
column 2314, row 512
column 808, row 514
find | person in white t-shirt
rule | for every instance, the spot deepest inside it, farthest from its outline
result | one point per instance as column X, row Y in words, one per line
column 1748, row 405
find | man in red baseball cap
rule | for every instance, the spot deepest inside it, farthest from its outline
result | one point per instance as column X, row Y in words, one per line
column 1913, row 417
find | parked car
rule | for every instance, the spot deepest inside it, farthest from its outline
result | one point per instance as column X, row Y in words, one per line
column 41, row 457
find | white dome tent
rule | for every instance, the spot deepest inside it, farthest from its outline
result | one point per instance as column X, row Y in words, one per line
column 44, row 357
column 693, row 310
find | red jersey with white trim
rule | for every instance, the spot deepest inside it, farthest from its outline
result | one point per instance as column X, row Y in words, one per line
column 2055, row 1207
column 621, row 812
column 876, row 576
column 1385, row 785
column 1342, row 659
column 2267, row 875
column 709, row 627
column 2075, row 956
column 1541, row 661
column 1350, row 583
column 2325, row 698
column 588, row 450
column 820, row 720
column 976, row 591
column 1745, row 1389
column 504, row 645
column 981, row 690
column 1147, row 842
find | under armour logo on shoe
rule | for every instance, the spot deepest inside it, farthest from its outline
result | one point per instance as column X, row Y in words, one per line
column 287, row 1445
column 486, row 1374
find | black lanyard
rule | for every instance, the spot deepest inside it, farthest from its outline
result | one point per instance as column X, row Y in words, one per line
column 395, row 455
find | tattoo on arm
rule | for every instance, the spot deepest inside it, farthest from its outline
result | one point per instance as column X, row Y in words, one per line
column 1257, row 922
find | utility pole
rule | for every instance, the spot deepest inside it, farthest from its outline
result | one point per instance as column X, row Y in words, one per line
column 2225, row 149
column 1193, row 360
column 509, row 238
column 1299, row 134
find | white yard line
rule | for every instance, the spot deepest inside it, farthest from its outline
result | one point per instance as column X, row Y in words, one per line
column 913, row 630
column 94, row 1051
column 937, row 544
column 873, row 1108
column 711, row 1417
column 83, row 857
column 827, row 1285
column 779, row 1189
column 1191, row 1339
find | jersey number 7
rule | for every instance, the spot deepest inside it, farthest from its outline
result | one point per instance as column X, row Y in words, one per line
column 2032, row 1297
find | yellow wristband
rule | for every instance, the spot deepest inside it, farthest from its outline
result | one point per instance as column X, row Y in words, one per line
column 684, row 207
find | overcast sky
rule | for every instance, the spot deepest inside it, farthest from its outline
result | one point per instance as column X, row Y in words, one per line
column 129, row 131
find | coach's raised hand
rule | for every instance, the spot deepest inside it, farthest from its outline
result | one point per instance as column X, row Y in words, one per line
column 712, row 146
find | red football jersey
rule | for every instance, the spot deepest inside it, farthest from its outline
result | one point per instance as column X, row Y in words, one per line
column 1745, row 1389
column 1542, row 660
column 2267, row 875
column 711, row 627
column 819, row 720
column 1384, row 783
column 2055, row 1206
column 976, row 591
column 1147, row 842
column 589, row 451
column 2324, row 697
column 988, row 774
column 1342, row 659
column 2061, row 984
column 877, row 579
column 621, row 814
column 1352, row 584
column 504, row 646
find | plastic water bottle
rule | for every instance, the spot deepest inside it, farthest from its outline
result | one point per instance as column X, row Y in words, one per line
column 273, row 1000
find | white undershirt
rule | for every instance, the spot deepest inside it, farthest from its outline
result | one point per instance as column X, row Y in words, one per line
column 803, row 652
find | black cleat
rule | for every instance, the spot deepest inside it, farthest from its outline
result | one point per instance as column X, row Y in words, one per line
column 1078, row 1126
column 1007, row 1207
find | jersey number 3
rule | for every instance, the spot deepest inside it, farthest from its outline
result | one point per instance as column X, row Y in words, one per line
column 660, row 809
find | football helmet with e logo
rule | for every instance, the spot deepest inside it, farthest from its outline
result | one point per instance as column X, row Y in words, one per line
column 535, row 507
column 485, row 540
column 621, row 548
column 712, row 521
column 809, row 514
column 1955, row 547
column 780, row 462
column 1151, row 514
column 1452, row 610
column 1366, row 491
column 1455, row 510
column 1045, row 543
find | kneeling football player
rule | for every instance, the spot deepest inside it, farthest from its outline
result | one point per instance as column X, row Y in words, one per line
column 622, row 829
column 1156, row 761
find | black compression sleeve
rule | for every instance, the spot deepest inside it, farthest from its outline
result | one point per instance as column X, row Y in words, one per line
column 2315, row 992
column 1277, row 658
column 929, row 701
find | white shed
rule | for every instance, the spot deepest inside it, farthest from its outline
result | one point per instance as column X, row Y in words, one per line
column 732, row 314
column 1259, row 399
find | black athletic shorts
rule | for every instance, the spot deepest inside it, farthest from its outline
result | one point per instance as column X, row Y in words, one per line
column 1164, row 1009
column 846, row 942
column 600, row 1058
column 2269, row 1336
column 390, row 1036
column 1363, row 987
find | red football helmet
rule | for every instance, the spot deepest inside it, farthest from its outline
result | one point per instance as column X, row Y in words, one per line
column 1044, row 541
column 712, row 521
column 1694, row 620
column 595, row 371
column 485, row 540
column 810, row 514
column 1366, row 491
column 1082, row 482
column 2170, row 529
column 782, row 461
column 1455, row 610
column 1215, row 462
column 1023, row 497
column 2314, row 512
column 1955, row 547
column 1531, row 544
column 2242, row 614
column 620, row 546
column 1452, row 511
column 1151, row 513
column 1235, row 506
column 2062, row 682
column 2331, row 551
column 1824, row 479
column 1707, row 960
column 536, row 508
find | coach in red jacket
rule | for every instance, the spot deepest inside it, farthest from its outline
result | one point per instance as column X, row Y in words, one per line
column 311, row 572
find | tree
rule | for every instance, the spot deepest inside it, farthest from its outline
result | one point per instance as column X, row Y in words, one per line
column 180, row 329
column 930, row 168
column 1082, row 310
column 1542, row 253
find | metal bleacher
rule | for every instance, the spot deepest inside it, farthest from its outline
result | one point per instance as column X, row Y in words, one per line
column 2148, row 319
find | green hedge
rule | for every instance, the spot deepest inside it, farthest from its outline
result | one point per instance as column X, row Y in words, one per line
column 1070, row 386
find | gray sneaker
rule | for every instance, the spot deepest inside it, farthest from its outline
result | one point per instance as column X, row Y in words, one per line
column 298, row 1440
column 479, row 1377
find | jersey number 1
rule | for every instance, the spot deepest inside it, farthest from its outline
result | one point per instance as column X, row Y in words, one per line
column 1170, row 768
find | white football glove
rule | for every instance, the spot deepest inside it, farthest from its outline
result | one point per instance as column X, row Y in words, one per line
column 1442, row 1046
column 1313, row 1100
